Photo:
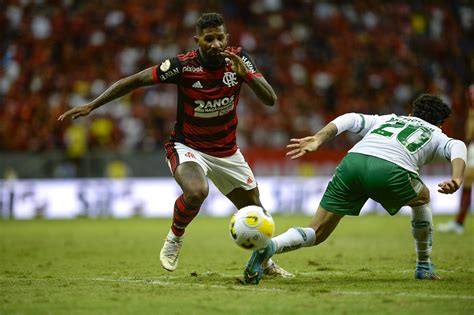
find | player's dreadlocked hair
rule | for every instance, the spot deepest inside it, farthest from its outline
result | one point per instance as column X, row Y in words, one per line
column 209, row 20
column 431, row 108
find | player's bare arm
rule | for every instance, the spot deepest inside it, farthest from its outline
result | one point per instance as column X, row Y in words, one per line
column 116, row 90
column 301, row 146
column 452, row 185
column 259, row 85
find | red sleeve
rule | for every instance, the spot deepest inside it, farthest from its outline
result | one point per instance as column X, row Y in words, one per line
column 155, row 76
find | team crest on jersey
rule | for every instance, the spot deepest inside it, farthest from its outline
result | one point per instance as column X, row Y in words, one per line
column 165, row 65
column 230, row 79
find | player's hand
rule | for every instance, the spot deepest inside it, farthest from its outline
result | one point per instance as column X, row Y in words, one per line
column 77, row 111
column 235, row 62
column 449, row 186
column 300, row 147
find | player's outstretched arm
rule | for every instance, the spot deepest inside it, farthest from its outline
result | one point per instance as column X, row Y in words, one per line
column 116, row 90
column 259, row 85
column 450, row 186
column 299, row 147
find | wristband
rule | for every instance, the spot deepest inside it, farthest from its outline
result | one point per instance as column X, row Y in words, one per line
column 249, row 76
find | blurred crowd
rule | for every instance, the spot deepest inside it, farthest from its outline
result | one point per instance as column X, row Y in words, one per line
column 323, row 58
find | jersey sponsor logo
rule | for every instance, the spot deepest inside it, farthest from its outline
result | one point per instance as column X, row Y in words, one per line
column 248, row 64
column 214, row 108
column 169, row 74
column 192, row 69
column 230, row 79
column 197, row 85
column 165, row 65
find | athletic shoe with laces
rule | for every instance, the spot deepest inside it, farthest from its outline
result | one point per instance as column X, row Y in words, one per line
column 425, row 271
column 273, row 270
column 169, row 253
column 254, row 270
column 451, row 227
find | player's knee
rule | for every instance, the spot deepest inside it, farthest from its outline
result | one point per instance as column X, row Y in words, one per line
column 422, row 198
column 196, row 196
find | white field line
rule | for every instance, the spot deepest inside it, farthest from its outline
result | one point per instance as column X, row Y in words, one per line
column 155, row 281
column 417, row 295
column 340, row 272
column 192, row 285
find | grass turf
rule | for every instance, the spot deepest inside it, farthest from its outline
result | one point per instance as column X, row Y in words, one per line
column 107, row 266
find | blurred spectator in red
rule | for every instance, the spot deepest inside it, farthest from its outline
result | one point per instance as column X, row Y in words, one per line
column 324, row 58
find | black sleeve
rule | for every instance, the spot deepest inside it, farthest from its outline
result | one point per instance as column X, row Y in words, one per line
column 169, row 71
column 249, row 62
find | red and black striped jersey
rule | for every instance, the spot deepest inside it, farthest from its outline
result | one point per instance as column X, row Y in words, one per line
column 206, row 118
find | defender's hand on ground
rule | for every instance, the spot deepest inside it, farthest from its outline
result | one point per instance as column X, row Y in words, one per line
column 449, row 186
column 300, row 147
column 75, row 112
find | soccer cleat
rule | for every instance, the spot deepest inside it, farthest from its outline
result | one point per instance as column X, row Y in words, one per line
column 425, row 271
column 450, row 227
column 254, row 270
column 169, row 253
column 273, row 270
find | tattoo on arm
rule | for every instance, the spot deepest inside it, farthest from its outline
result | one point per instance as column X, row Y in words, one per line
column 124, row 86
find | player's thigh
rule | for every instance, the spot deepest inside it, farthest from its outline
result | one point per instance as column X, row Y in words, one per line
column 191, row 178
column 391, row 185
column 324, row 222
column 469, row 176
column 242, row 198
column 232, row 173
column 188, row 167
column 469, row 172
column 178, row 153
column 345, row 194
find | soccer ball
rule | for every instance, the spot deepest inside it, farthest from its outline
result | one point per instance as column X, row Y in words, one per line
column 252, row 227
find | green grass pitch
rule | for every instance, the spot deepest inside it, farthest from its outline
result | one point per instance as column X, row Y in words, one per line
column 107, row 266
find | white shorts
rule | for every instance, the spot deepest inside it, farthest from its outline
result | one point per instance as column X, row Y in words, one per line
column 227, row 173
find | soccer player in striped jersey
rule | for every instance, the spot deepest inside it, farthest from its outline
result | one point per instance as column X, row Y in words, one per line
column 203, row 142
column 382, row 166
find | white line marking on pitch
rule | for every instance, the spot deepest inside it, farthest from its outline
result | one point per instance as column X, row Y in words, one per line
column 155, row 281
column 417, row 295
column 340, row 272
column 197, row 285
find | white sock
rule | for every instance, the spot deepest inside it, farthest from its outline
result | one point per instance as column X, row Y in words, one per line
column 173, row 236
column 422, row 230
column 293, row 239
